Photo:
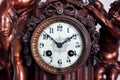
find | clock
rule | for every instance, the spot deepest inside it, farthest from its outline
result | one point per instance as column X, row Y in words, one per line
column 60, row 44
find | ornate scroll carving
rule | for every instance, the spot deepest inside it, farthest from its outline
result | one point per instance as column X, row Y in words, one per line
column 107, row 64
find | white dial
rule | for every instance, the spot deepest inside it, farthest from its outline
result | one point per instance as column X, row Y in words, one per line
column 60, row 44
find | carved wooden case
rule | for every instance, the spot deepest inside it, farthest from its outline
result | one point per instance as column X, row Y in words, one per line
column 51, row 8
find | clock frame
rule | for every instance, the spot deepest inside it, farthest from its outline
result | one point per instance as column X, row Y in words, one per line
column 85, row 40
column 56, row 8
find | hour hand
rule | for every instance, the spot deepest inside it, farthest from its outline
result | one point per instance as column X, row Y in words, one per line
column 51, row 38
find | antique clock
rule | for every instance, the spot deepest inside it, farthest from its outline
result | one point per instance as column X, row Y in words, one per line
column 60, row 44
column 60, row 41
column 55, row 40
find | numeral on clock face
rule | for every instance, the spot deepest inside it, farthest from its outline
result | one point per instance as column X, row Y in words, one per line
column 77, row 45
column 51, row 60
column 41, row 45
column 60, row 62
column 67, row 30
column 45, row 36
column 59, row 27
column 51, row 30
column 68, row 60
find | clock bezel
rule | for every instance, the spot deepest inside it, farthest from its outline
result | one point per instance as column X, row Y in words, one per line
column 85, row 39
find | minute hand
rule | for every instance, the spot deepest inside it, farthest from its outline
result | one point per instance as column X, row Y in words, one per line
column 69, row 38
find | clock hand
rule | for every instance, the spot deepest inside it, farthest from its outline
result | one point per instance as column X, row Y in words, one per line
column 68, row 38
column 59, row 45
column 51, row 38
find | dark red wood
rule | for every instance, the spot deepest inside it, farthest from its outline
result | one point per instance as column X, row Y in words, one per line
column 37, row 72
column 67, row 76
column 74, row 75
column 80, row 75
column 43, row 75
column 53, row 77
column 107, row 58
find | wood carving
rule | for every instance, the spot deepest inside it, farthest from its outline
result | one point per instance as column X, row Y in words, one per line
column 13, row 16
column 52, row 8
column 4, row 41
column 19, row 18
column 108, row 63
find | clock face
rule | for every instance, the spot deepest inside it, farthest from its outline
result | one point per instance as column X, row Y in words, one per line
column 60, row 44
